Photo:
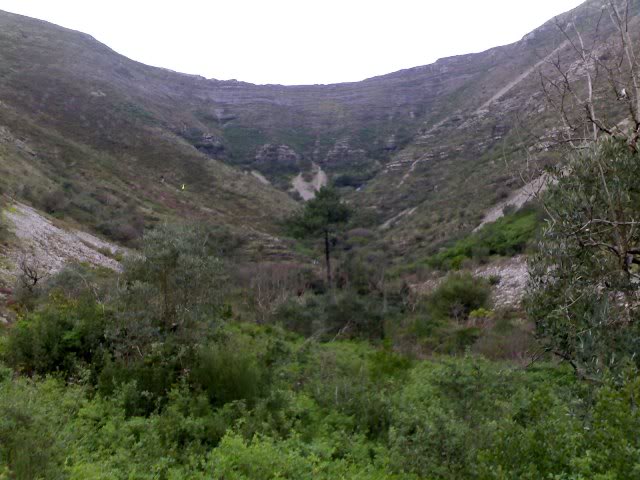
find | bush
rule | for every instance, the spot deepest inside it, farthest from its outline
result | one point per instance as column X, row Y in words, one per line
column 506, row 236
column 228, row 372
column 547, row 437
column 451, row 412
column 264, row 457
column 356, row 382
column 348, row 315
column 35, row 427
column 64, row 337
column 172, row 291
column 54, row 201
column 125, row 229
column 457, row 296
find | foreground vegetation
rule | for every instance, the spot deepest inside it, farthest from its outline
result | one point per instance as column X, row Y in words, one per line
column 158, row 374
column 259, row 403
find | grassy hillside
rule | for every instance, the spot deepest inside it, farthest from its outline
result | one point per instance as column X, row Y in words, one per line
column 88, row 134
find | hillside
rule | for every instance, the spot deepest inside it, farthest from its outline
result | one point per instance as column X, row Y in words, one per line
column 100, row 142
column 422, row 152
column 88, row 134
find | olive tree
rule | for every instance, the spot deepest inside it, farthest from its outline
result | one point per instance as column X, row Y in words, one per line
column 173, row 289
column 584, row 287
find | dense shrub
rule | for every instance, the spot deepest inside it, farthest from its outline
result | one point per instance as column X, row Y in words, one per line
column 61, row 338
column 348, row 315
column 125, row 228
column 506, row 236
column 457, row 296
column 229, row 371
column 54, row 201
column 172, row 292
column 329, row 411
column 35, row 437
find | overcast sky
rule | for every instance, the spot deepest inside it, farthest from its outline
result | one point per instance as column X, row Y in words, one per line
column 295, row 41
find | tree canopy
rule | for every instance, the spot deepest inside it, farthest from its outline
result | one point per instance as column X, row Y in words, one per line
column 321, row 216
column 584, row 284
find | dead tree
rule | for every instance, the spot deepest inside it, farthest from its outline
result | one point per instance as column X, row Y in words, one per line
column 594, row 83
column 272, row 284
column 31, row 272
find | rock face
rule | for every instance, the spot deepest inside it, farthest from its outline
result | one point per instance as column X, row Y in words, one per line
column 210, row 144
column 281, row 157
column 342, row 154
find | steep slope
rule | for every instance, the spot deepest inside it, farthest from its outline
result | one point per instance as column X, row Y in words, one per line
column 485, row 133
column 423, row 152
column 90, row 134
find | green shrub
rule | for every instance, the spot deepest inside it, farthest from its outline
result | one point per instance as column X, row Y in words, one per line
column 143, row 385
column 264, row 457
column 35, row 431
column 348, row 315
column 173, row 291
column 356, row 382
column 457, row 296
column 61, row 338
column 301, row 315
column 548, row 437
column 506, row 236
column 228, row 372
column 452, row 410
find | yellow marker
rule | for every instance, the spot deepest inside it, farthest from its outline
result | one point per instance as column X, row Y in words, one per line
column 183, row 186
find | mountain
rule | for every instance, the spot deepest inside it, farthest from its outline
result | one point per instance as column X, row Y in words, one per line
column 91, row 135
column 422, row 153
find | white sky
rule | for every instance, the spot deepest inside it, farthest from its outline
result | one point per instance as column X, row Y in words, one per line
column 295, row 41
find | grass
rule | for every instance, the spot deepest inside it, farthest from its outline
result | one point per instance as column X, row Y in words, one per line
column 506, row 236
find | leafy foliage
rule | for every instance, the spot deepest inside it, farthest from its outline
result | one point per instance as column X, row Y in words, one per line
column 507, row 236
column 324, row 213
column 321, row 217
column 457, row 296
column 174, row 287
column 337, row 410
column 583, row 292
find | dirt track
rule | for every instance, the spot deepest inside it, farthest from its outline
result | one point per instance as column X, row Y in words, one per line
column 307, row 190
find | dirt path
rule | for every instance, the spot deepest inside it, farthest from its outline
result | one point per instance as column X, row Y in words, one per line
column 517, row 199
column 503, row 91
column 307, row 190
column 392, row 220
column 49, row 247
